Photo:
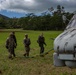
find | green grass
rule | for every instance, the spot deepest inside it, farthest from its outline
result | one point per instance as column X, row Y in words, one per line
column 30, row 66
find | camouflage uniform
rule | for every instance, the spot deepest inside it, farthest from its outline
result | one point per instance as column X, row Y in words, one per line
column 41, row 42
column 10, row 45
column 27, row 43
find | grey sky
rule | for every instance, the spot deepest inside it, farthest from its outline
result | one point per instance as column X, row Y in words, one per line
column 36, row 5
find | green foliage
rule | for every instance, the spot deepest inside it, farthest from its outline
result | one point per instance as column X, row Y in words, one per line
column 2, row 22
column 33, row 22
column 45, row 22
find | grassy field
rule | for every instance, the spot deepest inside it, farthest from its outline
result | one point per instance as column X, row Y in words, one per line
column 30, row 66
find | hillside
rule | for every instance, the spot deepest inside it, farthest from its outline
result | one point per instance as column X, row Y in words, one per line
column 3, row 16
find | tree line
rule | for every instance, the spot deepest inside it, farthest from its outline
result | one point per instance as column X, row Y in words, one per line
column 45, row 21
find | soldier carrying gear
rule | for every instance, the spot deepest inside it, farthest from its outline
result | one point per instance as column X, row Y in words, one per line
column 27, row 43
column 41, row 42
column 10, row 45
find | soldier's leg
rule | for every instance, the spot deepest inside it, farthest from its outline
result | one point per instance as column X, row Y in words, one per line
column 27, row 51
column 10, row 56
column 13, row 52
column 41, row 49
column 25, row 54
column 10, row 53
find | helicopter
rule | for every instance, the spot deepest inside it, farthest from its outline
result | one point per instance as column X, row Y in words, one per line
column 65, row 46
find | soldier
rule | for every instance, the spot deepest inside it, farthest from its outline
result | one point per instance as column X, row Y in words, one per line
column 27, row 43
column 10, row 45
column 41, row 42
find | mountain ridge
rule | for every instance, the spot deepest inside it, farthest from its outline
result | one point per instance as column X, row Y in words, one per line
column 3, row 16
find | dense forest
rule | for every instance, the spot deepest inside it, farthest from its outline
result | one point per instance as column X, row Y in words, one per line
column 45, row 21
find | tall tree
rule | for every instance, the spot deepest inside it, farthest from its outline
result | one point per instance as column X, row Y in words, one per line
column 58, row 9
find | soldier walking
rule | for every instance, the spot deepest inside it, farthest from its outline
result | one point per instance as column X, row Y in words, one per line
column 41, row 42
column 27, row 43
column 10, row 45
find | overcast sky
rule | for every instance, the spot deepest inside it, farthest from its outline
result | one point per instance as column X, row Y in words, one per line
column 35, row 6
